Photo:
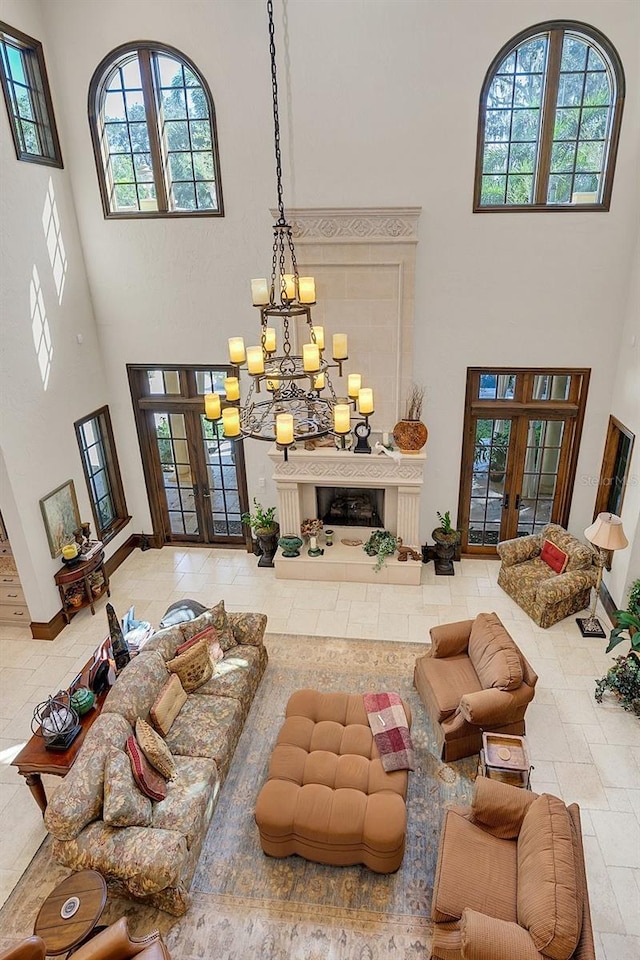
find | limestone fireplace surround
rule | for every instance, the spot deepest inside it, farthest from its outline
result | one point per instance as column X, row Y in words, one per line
column 296, row 481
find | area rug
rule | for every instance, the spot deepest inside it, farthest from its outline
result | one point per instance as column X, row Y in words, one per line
column 248, row 905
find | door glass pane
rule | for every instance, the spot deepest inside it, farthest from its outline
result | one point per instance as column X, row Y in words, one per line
column 222, row 496
column 171, row 439
column 491, row 448
column 540, row 476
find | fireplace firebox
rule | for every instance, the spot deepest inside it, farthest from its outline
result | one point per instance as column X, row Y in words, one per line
column 350, row 506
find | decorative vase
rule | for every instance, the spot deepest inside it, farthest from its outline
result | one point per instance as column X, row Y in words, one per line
column 410, row 436
column 267, row 538
column 82, row 700
column 445, row 550
column 119, row 645
column 290, row 545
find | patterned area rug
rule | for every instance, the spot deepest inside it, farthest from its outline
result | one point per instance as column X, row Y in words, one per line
column 246, row 904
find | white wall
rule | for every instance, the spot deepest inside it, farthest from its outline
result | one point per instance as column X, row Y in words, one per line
column 37, row 439
column 384, row 99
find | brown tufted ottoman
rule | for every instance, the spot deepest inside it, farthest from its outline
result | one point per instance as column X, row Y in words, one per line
column 327, row 797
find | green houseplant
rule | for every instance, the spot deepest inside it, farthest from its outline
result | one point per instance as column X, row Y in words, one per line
column 446, row 539
column 262, row 522
column 623, row 678
column 381, row 544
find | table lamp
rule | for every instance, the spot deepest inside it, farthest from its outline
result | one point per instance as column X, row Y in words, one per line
column 605, row 533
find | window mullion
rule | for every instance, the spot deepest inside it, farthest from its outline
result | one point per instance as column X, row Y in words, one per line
column 153, row 127
column 549, row 115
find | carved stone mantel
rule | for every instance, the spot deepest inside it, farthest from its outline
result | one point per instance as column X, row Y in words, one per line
column 354, row 225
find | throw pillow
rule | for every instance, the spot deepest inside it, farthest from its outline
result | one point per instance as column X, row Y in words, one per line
column 210, row 634
column 148, row 779
column 222, row 624
column 168, row 705
column 554, row 557
column 155, row 749
column 123, row 804
column 193, row 667
column 493, row 654
column 181, row 611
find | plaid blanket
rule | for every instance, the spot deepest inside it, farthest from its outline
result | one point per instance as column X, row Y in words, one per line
column 389, row 727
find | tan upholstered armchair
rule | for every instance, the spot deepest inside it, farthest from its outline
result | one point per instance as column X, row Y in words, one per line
column 545, row 595
column 473, row 678
column 510, row 882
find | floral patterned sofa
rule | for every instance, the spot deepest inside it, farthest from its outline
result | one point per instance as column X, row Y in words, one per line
column 156, row 863
column 545, row 595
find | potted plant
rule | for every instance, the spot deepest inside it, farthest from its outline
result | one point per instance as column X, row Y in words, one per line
column 410, row 434
column 623, row 678
column 262, row 522
column 446, row 539
column 495, row 455
column 381, row 544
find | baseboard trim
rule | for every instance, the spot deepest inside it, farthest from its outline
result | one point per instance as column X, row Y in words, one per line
column 49, row 630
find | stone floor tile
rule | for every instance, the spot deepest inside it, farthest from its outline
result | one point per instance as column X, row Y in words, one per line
column 618, row 799
column 547, row 739
column 393, row 626
column 580, row 784
column 575, row 707
column 619, row 837
column 303, row 621
column 616, row 765
column 332, row 623
column 579, row 742
column 364, row 613
column 619, row 947
column 605, row 913
column 626, row 887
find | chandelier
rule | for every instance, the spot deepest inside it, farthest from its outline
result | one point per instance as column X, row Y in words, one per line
column 291, row 398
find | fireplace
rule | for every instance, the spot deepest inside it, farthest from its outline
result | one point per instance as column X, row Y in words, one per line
column 350, row 506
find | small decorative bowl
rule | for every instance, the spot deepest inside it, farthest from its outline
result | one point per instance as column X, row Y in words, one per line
column 290, row 545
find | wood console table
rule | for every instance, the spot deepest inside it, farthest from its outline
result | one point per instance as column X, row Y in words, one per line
column 75, row 582
column 34, row 759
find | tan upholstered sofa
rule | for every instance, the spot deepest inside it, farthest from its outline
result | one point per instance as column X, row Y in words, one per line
column 510, row 881
column 545, row 595
column 473, row 678
column 156, row 863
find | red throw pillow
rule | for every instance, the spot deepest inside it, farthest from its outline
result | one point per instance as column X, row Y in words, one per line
column 210, row 634
column 148, row 779
column 554, row 557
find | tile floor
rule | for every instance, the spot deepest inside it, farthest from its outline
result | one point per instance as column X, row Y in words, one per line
column 582, row 751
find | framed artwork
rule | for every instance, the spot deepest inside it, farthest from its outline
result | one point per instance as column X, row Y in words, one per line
column 61, row 516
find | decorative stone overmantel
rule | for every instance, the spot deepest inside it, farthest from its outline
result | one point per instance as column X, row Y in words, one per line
column 297, row 478
column 354, row 225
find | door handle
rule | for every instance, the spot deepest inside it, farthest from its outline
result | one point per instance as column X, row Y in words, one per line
column 206, row 493
column 196, row 489
column 505, row 502
column 517, row 503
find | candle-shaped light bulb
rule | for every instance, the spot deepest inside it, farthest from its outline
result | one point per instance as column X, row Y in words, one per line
column 318, row 381
column 273, row 383
column 319, row 335
column 310, row 357
column 365, row 401
column 288, row 283
column 212, row 406
column 255, row 360
column 270, row 339
column 354, row 385
column 340, row 351
column 260, row 292
column 232, row 388
column 284, row 428
column 236, row 350
column 231, row 421
column 342, row 418
column 307, row 290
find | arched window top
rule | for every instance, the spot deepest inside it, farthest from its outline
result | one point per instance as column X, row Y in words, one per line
column 549, row 121
column 153, row 127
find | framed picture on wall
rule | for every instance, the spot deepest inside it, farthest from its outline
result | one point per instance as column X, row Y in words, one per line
column 61, row 516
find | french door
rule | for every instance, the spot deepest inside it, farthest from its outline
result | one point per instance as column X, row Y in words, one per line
column 195, row 476
column 522, row 430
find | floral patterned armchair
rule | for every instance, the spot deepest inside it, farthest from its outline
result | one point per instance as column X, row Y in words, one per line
column 545, row 595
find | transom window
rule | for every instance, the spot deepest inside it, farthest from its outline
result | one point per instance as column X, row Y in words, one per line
column 550, row 113
column 26, row 92
column 152, row 121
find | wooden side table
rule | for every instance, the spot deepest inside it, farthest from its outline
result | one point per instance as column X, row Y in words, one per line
column 74, row 584
column 505, row 757
column 34, row 759
column 71, row 911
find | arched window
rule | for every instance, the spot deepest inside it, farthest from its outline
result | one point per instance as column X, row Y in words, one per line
column 153, row 126
column 550, row 112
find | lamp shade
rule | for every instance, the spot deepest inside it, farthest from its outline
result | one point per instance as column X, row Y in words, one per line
column 606, row 532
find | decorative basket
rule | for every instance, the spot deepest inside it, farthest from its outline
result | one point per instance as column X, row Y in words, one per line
column 193, row 667
column 410, row 435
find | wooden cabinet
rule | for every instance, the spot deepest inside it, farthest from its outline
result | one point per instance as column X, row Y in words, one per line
column 13, row 607
column 81, row 584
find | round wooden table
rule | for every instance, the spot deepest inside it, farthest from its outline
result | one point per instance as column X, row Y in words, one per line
column 71, row 911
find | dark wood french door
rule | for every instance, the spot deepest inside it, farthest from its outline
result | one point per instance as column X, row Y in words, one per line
column 195, row 476
column 521, row 437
